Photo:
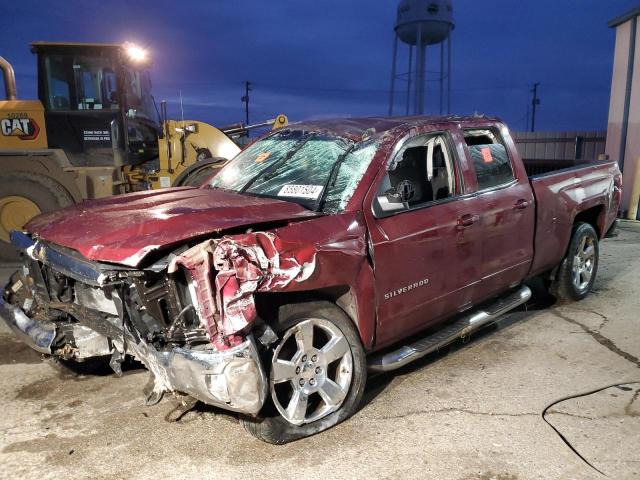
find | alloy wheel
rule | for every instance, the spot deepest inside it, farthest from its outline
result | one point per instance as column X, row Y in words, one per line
column 583, row 263
column 311, row 371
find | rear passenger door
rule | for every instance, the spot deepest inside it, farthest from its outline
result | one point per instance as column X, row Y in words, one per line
column 424, row 237
column 506, row 203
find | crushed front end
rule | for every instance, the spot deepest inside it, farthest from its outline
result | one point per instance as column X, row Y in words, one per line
column 64, row 305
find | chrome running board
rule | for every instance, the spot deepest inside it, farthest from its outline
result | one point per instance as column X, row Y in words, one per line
column 458, row 329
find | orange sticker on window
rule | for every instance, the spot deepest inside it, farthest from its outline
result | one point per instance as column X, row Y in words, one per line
column 262, row 157
column 486, row 155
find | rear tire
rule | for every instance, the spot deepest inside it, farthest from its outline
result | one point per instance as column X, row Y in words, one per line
column 322, row 379
column 578, row 269
column 22, row 197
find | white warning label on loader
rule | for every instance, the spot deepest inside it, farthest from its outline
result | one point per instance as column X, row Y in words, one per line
column 96, row 135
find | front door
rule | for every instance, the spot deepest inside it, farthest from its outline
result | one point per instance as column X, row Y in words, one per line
column 425, row 236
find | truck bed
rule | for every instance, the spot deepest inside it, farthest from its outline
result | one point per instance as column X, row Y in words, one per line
column 538, row 167
column 563, row 193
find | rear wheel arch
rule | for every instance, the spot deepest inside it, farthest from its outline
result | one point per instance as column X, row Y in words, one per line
column 594, row 216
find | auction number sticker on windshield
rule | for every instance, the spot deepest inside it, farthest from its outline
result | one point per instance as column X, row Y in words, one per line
column 301, row 191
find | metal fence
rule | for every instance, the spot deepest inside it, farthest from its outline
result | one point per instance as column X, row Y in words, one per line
column 561, row 146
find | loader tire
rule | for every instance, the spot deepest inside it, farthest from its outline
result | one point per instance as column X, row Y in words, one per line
column 195, row 175
column 22, row 197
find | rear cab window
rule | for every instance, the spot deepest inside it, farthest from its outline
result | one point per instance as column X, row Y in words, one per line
column 489, row 157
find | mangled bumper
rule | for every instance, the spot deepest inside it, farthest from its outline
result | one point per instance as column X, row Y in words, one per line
column 38, row 335
column 232, row 379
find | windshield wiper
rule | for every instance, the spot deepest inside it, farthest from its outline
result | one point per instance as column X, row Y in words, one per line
column 275, row 164
column 333, row 176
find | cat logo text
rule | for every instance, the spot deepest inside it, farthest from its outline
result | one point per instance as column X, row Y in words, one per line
column 19, row 125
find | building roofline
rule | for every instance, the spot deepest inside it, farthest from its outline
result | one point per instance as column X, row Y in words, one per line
column 634, row 12
column 76, row 44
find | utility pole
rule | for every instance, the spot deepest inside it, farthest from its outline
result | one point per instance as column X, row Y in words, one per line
column 535, row 101
column 245, row 99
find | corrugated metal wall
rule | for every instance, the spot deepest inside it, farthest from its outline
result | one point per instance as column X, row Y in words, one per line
column 560, row 146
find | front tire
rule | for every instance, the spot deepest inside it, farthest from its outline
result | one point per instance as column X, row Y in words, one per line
column 578, row 269
column 317, row 373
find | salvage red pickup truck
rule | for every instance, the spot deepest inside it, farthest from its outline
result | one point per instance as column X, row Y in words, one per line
column 319, row 253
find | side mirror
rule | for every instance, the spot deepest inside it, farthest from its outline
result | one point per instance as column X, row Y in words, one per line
column 390, row 201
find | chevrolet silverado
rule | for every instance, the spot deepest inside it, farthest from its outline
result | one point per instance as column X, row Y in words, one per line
column 319, row 253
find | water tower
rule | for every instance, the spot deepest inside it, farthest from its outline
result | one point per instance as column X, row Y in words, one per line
column 421, row 23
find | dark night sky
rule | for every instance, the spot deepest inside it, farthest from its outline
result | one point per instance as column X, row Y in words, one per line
column 333, row 58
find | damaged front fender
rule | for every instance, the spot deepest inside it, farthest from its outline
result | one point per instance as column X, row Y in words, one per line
column 226, row 273
column 244, row 265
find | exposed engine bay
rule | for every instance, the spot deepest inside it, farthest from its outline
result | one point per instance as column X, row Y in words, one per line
column 75, row 309
column 191, row 315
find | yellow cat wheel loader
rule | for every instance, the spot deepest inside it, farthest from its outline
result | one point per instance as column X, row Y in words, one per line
column 95, row 131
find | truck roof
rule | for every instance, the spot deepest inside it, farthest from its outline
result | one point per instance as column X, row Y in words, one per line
column 355, row 128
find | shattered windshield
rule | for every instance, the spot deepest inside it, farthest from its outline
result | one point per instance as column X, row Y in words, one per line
column 315, row 170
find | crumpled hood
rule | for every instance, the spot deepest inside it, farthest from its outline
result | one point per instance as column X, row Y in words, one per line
column 125, row 228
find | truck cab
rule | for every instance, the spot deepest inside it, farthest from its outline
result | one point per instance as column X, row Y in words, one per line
column 454, row 213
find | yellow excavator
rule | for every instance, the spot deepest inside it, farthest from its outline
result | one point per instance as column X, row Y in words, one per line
column 96, row 131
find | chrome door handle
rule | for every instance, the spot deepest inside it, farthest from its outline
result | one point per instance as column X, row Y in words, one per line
column 467, row 220
column 521, row 204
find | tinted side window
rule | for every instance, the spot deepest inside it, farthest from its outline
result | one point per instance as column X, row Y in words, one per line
column 490, row 158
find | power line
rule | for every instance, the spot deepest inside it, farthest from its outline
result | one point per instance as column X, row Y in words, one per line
column 313, row 88
column 386, row 90
column 280, row 86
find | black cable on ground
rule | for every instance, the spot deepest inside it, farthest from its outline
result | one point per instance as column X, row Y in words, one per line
column 570, row 397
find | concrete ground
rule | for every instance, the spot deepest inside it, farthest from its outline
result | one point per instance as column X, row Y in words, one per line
column 471, row 413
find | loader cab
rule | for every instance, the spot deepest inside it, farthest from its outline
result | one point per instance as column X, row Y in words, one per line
column 98, row 103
